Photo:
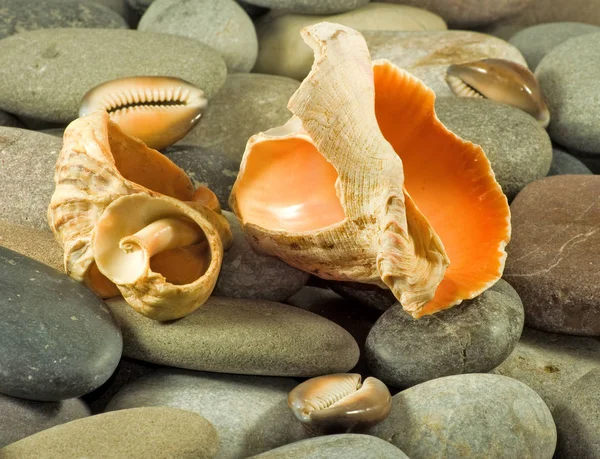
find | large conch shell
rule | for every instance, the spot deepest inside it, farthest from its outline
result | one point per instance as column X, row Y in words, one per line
column 131, row 223
column 325, row 191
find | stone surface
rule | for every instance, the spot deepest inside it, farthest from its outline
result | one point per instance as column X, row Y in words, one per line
column 311, row 6
column 365, row 294
column 206, row 167
column 578, row 419
column 21, row 418
column 466, row 14
column 247, row 105
column 282, row 51
column 57, row 337
column 567, row 76
column 57, row 67
column 119, row 6
column 549, row 363
column 228, row 335
column 250, row 413
column 517, row 159
column 160, row 433
column 553, row 256
column 6, row 119
column 475, row 415
column 25, row 192
column 221, row 24
column 473, row 337
column 537, row 41
column 34, row 243
column 564, row 163
column 248, row 274
column 18, row 16
column 427, row 55
column 340, row 446
column 590, row 160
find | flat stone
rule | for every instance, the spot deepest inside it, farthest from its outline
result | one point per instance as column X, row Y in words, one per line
column 54, row 73
column 18, row 16
column 250, row 413
column 517, row 159
column 427, row 55
column 567, row 76
column 549, row 363
column 29, row 159
column 140, row 433
column 282, row 51
column 578, row 419
column 251, row 275
column 21, row 418
column 58, row 338
column 221, row 24
column 537, row 41
column 553, row 258
column 247, row 105
column 310, row 6
column 365, row 294
column 473, row 337
column 563, row 163
column 228, row 335
column 340, row 446
column 474, row 415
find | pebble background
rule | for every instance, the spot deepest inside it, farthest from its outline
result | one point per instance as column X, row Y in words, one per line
column 514, row 372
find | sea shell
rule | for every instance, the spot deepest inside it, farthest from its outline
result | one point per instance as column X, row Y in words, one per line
column 108, row 187
column 158, row 110
column 500, row 80
column 325, row 191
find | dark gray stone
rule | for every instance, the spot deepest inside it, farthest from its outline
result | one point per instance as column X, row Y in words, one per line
column 475, row 415
column 564, row 163
column 7, row 120
column 473, row 337
column 367, row 294
column 58, row 339
column 310, row 6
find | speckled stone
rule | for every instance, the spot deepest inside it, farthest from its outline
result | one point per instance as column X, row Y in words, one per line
column 33, row 243
column 553, row 256
column 365, row 294
column 549, row 363
column 58, row 338
column 427, row 55
column 18, row 16
column 340, row 446
column 221, row 24
column 578, row 419
column 25, row 192
column 228, row 335
column 250, row 413
column 159, row 433
column 247, row 105
column 517, row 159
column 282, row 51
column 537, row 41
column 475, row 415
column 563, row 163
column 310, row 6
column 473, row 337
column 568, row 78
column 21, row 418
column 56, row 67
column 251, row 275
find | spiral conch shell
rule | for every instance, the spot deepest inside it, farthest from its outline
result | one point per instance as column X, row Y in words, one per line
column 130, row 222
column 365, row 184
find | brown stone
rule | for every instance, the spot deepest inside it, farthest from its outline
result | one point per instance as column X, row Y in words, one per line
column 554, row 256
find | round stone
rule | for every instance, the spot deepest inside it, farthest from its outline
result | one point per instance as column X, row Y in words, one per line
column 567, row 76
column 139, row 433
column 250, row 413
column 228, row 335
column 247, row 105
column 517, row 159
column 310, row 6
column 56, row 67
column 553, row 256
column 563, row 163
column 365, row 294
column 33, row 243
column 477, row 336
column 475, row 415
column 537, row 41
column 59, row 340
column 6, row 119
column 221, row 24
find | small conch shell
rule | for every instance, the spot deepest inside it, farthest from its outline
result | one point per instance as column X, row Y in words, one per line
column 113, row 189
column 500, row 80
column 158, row 110
column 361, row 183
